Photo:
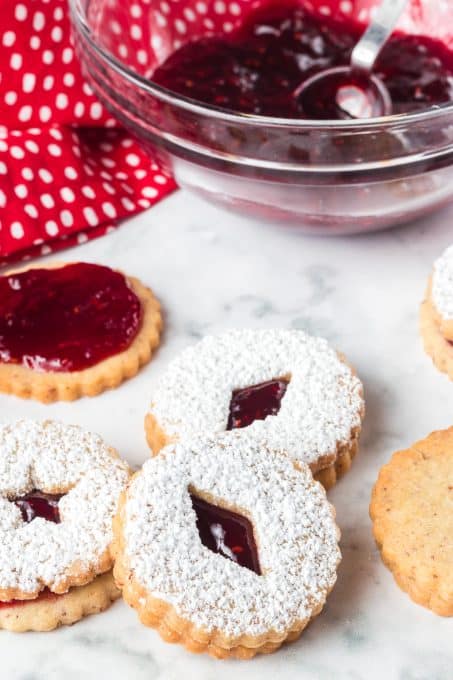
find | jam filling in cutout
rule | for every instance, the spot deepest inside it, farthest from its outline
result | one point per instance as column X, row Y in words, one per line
column 32, row 505
column 258, row 67
column 256, row 402
column 39, row 504
column 66, row 319
column 226, row 533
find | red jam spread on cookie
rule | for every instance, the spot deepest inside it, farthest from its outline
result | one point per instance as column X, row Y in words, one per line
column 227, row 533
column 66, row 319
column 38, row 504
column 256, row 403
column 257, row 69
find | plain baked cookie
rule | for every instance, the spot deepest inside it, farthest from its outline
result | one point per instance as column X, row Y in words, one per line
column 59, row 490
column 225, row 547
column 73, row 330
column 412, row 513
column 50, row 611
column 436, row 314
column 283, row 387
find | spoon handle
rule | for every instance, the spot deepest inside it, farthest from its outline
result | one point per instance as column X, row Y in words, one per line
column 365, row 53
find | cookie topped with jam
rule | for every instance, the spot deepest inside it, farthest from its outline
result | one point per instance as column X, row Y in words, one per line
column 68, row 330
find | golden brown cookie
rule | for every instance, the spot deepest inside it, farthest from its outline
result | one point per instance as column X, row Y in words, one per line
column 436, row 314
column 73, row 330
column 285, row 387
column 412, row 513
column 49, row 610
column 436, row 345
column 225, row 546
column 59, row 490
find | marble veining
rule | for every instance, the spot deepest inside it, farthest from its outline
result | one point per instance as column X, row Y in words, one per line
column 214, row 271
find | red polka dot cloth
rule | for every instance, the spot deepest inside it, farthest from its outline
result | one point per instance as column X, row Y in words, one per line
column 67, row 172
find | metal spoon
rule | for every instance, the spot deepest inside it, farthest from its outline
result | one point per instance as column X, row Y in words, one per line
column 353, row 91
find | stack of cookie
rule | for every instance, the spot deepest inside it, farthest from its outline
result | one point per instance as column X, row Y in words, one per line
column 412, row 501
column 436, row 315
column 59, row 489
column 224, row 541
column 66, row 331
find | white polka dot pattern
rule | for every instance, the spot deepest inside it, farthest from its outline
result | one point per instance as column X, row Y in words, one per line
column 60, row 184
column 77, row 180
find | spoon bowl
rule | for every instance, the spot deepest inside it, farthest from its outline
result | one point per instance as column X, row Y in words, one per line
column 350, row 92
column 344, row 94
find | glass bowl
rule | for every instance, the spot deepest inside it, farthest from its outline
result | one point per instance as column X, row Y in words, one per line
column 326, row 177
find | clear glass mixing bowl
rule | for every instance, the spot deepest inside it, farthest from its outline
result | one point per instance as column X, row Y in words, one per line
column 324, row 177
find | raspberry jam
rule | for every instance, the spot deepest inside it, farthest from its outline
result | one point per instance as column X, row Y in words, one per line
column 256, row 403
column 38, row 504
column 45, row 594
column 258, row 68
column 66, row 319
column 227, row 533
column 341, row 95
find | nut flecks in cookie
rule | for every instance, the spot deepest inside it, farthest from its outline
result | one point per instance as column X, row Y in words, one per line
column 412, row 513
column 320, row 412
column 160, row 555
column 92, row 311
column 60, row 460
column 49, row 610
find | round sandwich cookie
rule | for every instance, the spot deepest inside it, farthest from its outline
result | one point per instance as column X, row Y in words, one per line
column 282, row 387
column 225, row 548
column 73, row 330
column 436, row 314
column 412, row 513
column 59, row 490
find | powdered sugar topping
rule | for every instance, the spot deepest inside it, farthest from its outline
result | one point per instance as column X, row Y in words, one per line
column 294, row 529
column 55, row 458
column 442, row 284
column 322, row 406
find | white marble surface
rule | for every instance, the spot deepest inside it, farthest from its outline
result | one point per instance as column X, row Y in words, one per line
column 214, row 271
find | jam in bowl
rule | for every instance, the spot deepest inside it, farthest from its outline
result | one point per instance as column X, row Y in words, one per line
column 210, row 88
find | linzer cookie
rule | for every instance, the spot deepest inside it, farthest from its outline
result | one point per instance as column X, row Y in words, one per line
column 225, row 547
column 412, row 513
column 282, row 387
column 70, row 330
column 59, row 489
column 436, row 315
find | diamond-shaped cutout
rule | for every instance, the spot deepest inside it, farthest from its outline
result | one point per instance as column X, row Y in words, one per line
column 256, row 402
column 227, row 533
